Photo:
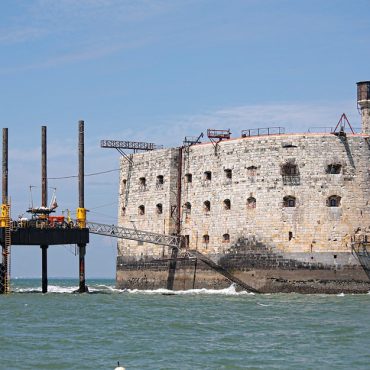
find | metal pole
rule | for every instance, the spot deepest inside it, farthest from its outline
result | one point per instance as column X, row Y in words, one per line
column 44, row 201
column 4, row 265
column 81, row 203
column 81, row 167
column 5, row 167
column 173, row 260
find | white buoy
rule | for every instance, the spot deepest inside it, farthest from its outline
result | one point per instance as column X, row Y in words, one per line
column 119, row 367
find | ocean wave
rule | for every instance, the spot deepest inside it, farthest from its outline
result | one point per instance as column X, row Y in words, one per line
column 230, row 291
column 101, row 288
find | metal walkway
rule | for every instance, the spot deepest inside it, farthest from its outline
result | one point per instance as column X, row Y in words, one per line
column 133, row 234
column 162, row 239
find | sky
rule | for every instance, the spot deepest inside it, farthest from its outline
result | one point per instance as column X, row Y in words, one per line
column 158, row 71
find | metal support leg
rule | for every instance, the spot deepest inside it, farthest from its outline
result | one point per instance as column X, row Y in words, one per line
column 82, row 252
column 44, row 250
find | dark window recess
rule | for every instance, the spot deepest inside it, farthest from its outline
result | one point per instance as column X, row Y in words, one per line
column 335, row 256
column 206, row 239
column 227, row 204
column 123, row 211
column 289, row 201
column 160, row 180
column 290, row 174
column 141, row 210
column 228, row 174
column 142, row 183
column 187, row 208
column 207, row 206
column 208, row 176
column 159, row 208
column 187, row 241
column 188, row 178
column 251, row 202
column 334, row 169
column 252, row 171
column 124, row 182
column 333, row 201
column 226, row 238
column 290, row 235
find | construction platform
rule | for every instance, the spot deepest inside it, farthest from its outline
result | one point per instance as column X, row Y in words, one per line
column 46, row 236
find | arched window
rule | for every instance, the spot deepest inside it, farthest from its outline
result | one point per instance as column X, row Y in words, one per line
column 188, row 178
column 228, row 174
column 227, row 204
column 141, row 210
column 124, row 182
column 142, row 183
column 159, row 182
column 123, row 211
column 290, row 174
column 289, row 169
column 289, row 201
column 187, row 208
column 206, row 239
column 226, row 238
column 333, row 201
column 159, row 208
column 252, row 170
column 251, row 202
column 334, row 168
column 208, row 176
column 207, row 206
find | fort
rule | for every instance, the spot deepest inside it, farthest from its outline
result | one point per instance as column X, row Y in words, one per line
column 281, row 212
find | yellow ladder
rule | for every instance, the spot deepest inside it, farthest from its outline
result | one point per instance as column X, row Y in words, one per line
column 5, row 221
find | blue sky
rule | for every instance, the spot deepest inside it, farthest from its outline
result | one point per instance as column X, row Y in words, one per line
column 157, row 71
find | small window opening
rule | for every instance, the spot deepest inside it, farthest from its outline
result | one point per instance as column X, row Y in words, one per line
column 251, row 202
column 335, row 256
column 160, row 180
column 141, row 210
column 333, row 201
column 124, row 182
column 187, row 241
column 123, row 211
column 207, row 206
column 187, row 208
column 208, row 176
column 142, row 183
column 228, row 174
column 227, row 204
column 206, row 239
column 226, row 238
column 289, row 169
column 290, row 235
column 334, row 169
column 252, row 170
column 159, row 208
column 289, row 201
column 188, row 178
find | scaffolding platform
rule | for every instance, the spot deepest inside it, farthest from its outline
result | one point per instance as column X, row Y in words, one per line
column 46, row 236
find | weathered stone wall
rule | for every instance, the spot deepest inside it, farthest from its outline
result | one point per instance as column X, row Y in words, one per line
column 257, row 167
column 134, row 194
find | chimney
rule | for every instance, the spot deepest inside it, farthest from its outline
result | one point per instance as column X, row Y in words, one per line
column 363, row 102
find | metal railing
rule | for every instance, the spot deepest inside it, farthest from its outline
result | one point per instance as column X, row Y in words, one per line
column 173, row 241
column 263, row 131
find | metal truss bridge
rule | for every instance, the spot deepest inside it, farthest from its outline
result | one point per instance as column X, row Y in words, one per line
column 173, row 241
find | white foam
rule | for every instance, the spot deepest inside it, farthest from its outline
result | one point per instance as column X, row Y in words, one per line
column 340, row 295
column 56, row 289
column 230, row 291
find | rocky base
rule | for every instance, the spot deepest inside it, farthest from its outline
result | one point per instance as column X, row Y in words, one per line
column 194, row 274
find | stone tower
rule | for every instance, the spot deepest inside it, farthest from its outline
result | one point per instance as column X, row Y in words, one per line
column 363, row 101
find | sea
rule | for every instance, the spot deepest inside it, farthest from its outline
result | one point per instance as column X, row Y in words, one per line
column 195, row 329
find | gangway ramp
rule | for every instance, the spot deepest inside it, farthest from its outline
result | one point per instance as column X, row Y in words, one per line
column 174, row 241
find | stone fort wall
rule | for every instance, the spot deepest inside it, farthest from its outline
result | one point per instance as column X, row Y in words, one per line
column 297, row 193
